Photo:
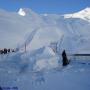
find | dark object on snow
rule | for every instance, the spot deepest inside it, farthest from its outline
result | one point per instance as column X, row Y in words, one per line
column 8, row 50
column 2, row 51
column 1, row 88
column 5, row 51
column 13, row 50
column 65, row 59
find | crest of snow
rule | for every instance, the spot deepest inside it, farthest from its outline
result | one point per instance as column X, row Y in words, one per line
column 83, row 14
column 21, row 12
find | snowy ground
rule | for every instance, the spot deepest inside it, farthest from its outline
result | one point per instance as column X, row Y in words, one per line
column 18, row 75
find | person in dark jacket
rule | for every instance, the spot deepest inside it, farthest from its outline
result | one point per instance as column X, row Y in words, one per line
column 1, row 51
column 65, row 59
column 5, row 51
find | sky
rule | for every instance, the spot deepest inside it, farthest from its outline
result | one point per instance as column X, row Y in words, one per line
column 46, row 6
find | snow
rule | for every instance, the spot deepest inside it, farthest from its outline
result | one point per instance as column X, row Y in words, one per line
column 83, row 14
column 13, row 27
column 48, row 28
column 44, row 37
column 21, row 12
column 40, row 66
column 18, row 74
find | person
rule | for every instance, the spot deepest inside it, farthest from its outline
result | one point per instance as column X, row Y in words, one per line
column 5, row 51
column 1, row 51
column 8, row 50
column 65, row 59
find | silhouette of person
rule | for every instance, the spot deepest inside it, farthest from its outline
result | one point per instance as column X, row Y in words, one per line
column 1, row 51
column 5, row 51
column 8, row 50
column 65, row 59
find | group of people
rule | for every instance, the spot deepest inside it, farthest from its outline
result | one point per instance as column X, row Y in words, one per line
column 65, row 60
column 6, row 51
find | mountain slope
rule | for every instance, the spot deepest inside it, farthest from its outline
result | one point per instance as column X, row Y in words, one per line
column 13, row 27
column 16, row 29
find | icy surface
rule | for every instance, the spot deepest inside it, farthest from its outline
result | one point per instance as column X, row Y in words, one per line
column 43, row 75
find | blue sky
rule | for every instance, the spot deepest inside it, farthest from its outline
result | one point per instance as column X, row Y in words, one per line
column 46, row 6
